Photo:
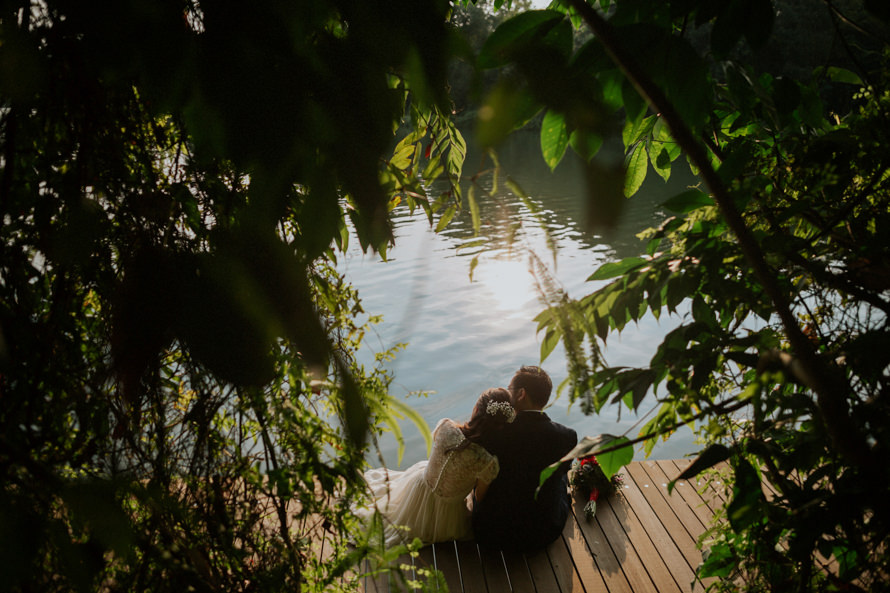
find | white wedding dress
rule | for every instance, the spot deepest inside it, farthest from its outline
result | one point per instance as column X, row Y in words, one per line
column 428, row 500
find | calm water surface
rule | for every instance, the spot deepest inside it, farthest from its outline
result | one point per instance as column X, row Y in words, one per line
column 465, row 336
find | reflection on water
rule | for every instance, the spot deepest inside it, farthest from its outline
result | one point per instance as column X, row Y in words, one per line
column 467, row 335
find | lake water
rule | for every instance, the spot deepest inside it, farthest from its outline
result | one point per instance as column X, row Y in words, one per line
column 465, row 336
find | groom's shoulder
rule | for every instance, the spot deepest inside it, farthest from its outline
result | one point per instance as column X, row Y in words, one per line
column 567, row 437
column 568, row 433
column 541, row 422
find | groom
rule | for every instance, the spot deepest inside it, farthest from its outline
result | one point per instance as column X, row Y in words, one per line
column 509, row 517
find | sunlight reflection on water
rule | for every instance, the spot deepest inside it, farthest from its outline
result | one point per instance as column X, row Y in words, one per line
column 466, row 336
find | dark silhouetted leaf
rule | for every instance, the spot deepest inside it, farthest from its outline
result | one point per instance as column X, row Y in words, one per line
column 619, row 268
column 708, row 458
column 506, row 107
column 510, row 35
column 687, row 201
column 586, row 144
column 745, row 508
column 605, row 193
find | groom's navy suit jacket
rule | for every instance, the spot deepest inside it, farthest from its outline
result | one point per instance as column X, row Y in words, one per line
column 509, row 517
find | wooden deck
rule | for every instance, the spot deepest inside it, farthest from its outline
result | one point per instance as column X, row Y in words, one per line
column 640, row 541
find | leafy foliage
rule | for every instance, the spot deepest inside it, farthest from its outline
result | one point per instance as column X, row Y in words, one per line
column 181, row 406
column 773, row 265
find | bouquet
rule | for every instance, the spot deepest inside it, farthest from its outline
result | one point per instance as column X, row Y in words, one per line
column 588, row 480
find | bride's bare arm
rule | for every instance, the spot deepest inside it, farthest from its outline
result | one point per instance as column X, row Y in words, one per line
column 481, row 488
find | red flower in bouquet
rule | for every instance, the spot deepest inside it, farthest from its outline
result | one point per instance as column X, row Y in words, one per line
column 589, row 480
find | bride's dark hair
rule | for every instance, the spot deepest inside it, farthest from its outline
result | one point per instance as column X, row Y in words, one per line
column 484, row 421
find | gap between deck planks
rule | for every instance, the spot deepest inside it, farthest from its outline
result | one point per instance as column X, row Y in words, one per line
column 643, row 540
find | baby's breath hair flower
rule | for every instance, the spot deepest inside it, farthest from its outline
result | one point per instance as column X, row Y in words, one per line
column 504, row 408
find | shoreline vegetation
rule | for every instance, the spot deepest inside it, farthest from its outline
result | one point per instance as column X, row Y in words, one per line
column 177, row 180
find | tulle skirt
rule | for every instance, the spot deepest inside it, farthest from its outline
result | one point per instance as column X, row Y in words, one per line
column 410, row 509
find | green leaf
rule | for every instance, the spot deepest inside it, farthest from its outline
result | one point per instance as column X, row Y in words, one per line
column 634, row 105
column 355, row 412
column 719, row 562
column 612, row 462
column 708, row 458
column 634, row 130
column 513, row 34
column 432, row 170
column 619, row 268
column 474, row 209
column 507, row 107
column 585, row 143
column 661, row 163
column 457, row 153
column 590, row 446
column 554, row 138
column 403, row 156
column 551, row 339
column 688, row 86
column 687, row 201
column 637, row 165
column 701, row 311
column 414, row 416
column 473, row 263
column 545, row 475
column 842, row 75
column 739, row 156
column 446, row 218
column 636, row 383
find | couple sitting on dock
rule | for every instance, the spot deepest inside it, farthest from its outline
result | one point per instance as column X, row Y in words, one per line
column 481, row 478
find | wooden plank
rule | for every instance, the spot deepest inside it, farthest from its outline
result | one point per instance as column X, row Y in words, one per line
column 471, row 567
column 520, row 577
column 567, row 577
column 395, row 580
column 639, row 576
column 596, row 562
column 642, row 540
column 694, row 526
column 578, row 536
column 496, row 577
column 379, row 583
column 366, row 582
column 445, row 560
column 672, row 524
column 710, row 496
column 426, row 558
column 542, row 573
column 636, row 573
column 688, row 493
column 666, row 547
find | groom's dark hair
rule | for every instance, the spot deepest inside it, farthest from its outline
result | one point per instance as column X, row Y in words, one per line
column 536, row 382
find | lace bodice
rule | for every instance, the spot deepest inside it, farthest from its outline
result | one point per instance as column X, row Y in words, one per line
column 453, row 474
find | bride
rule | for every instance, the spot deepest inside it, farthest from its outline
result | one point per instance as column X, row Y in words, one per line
column 428, row 500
